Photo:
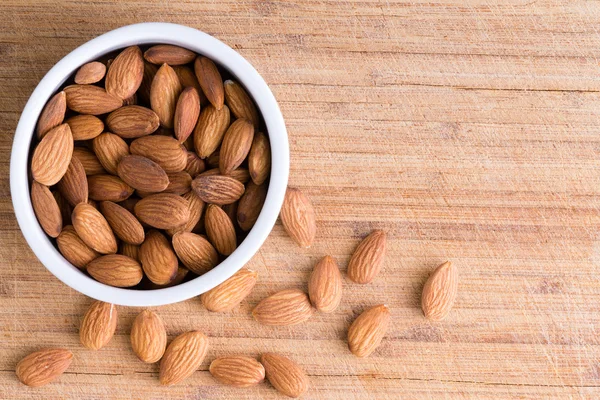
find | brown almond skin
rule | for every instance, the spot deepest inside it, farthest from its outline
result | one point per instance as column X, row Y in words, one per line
column 210, row 81
column 123, row 223
column 169, row 54
column 164, row 150
column 130, row 122
column 227, row 295
column 89, row 161
column 195, row 207
column 210, row 129
column 52, row 115
column 183, row 357
column 148, row 337
column 52, row 155
column 158, row 258
column 125, row 73
column 367, row 331
column 439, row 292
column 142, row 173
column 220, row 230
column 164, row 93
column 179, row 183
column 238, row 371
column 90, row 99
column 240, row 104
column 367, row 260
column 144, row 90
column 89, row 73
column 74, row 249
column 43, row 366
column 110, row 149
column 163, row 210
column 250, row 206
column 187, row 77
column 85, row 127
column 298, row 217
column 218, row 189
column 108, row 188
column 64, row 207
column 93, row 229
column 195, row 165
column 182, row 273
column 73, row 185
column 285, row 375
column 212, row 161
column 287, row 307
column 239, row 174
column 236, row 145
column 186, row 113
column 325, row 285
column 98, row 325
column 259, row 159
column 116, row 270
column 130, row 250
column 46, row 209
column 195, row 252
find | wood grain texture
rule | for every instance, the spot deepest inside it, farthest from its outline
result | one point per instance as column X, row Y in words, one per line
column 468, row 130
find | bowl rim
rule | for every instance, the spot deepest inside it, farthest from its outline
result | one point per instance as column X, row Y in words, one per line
column 140, row 34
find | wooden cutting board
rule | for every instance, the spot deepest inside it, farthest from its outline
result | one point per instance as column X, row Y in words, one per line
column 468, row 131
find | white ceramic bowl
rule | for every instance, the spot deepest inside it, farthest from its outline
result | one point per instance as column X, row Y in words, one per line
column 139, row 34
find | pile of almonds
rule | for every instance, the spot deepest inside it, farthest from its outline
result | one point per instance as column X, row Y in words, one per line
column 172, row 189
column 123, row 156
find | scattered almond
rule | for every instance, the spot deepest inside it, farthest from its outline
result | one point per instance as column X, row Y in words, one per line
column 287, row 307
column 98, row 325
column 43, row 366
column 238, row 371
column 439, row 292
column 367, row 260
column 230, row 293
column 367, row 331
column 148, row 337
column 285, row 375
column 325, row 285
column 298, row 217
column 183, row 357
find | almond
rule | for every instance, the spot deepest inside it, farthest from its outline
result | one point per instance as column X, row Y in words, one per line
column 141, row 173
column 53, row 114
column 183, row 357
column 251, row 205
column 148, row 337
column 237, row 371
column 125, row 73
column 210, row 129
column 298, row 217
column 239, row 174
column 74, row 249
column 89, row 161
column 212, row 161
column 195, row 252
column 195, row 165
column 64, row 207
column 90, row 99
column 169, row 54
column 73, row 185
column 116, row 270
column 367, row 331
column 240, row 104
column 285, row 375
column 131, row 122
column 131, row 101
column 259, row 158
column 163, row 150
column 439, row 292
column 98, row 325
column 210, row 80
column 186, row 113
column 195, row 207
column 46, row 209
column 158, row 259
column 144, row 90
column 218, row 189
column 220, row 230
column 325, row 285
column 163, row 210
column 231, row 211
column 110, row 148
column 236, row 145
column 130, row 250
column 187, row 77
column 123, row 223
column 230, row 293
column 89, row 73
column 287, row 307
column 179, row 277
column 179, row 183
column 85, row 127
column 368, row 258
column 108, row 188
column 52, row 155
column 164, row 93
column 43, row 366
column 93, row 229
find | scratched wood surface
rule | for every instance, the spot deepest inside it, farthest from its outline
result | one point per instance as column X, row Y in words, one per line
column 468, row 130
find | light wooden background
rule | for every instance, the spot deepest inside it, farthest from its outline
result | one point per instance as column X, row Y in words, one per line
column 467, row 129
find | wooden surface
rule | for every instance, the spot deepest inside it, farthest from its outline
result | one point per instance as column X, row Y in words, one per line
column 467, row 130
